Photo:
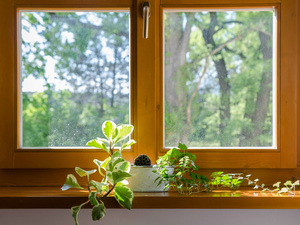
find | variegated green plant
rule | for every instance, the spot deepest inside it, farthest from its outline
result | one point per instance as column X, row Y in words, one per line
column 288, row 188
column 114, row 170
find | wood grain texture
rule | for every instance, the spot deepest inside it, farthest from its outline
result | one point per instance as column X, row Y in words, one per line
column 217, row 2
column 73, row 3
column 57, row 177
column 6, row 83
column 288, row 84
column 48, row 159
column 146, row 70
column 238, row 160
column 55, row 198
column 298, row 82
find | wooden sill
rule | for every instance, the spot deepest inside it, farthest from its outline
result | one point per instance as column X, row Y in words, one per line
column 53, row 197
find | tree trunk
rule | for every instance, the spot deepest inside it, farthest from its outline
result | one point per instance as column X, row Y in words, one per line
column 177, row 38
column 114, row 73
column 176, row 46
column 224, row 85
column 250, row 137
column 100, row 96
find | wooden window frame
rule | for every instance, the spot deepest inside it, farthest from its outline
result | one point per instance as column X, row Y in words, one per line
column 11, row 156
column 146, row 86
column 285, row 155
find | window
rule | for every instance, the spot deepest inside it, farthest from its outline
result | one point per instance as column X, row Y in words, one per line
column 144, row 85
column 75, row 73
column 219, row 82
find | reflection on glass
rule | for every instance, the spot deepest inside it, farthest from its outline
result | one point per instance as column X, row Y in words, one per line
column 218, row 79
column 75, row 75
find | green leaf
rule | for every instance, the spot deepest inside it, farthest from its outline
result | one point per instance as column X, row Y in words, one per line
column 167, row 186
column 108, row 128
column 174, row 153
column 98, row 144
column 216, row 174
column 277, row 184
column 123, row 195
column 179, row 173
column 127, row 144
column 98, row 212
column 193, row 175
column 114, row 161
column 283, row 190
column 119, row 176
column 225, row 177
column 83, row 173
column 74, row 212
column 159, row 182
column 288, row 183
column 71, row 182
column 99, row 186
column 296, row 182
column 105, row 187
column 117, row 154
column 114, row 134
column 193, row 157
column 103, row 140
column 156, row 179
column 93, row 198
column 102, row 164
column 182, row 146
column 203, row 178
column 124, row 166
column 123, row 132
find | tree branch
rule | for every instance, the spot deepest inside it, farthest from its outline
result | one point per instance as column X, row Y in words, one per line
column 207, row 59
column 67, row 20
column 262, row 31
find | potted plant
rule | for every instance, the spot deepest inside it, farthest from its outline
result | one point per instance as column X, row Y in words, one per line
column 114, row 170
column 144, row 178
column 184, row 179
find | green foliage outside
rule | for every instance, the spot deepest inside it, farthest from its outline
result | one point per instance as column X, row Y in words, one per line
column 227, row 103
column 218, row 90
column 82, row 60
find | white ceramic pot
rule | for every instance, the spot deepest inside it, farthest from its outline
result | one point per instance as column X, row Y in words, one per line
column 143, row 179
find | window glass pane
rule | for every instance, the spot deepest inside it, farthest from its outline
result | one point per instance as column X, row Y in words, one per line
column 75, row 75
column 218, row 78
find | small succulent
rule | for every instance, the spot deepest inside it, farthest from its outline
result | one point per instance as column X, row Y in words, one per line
column 142, row 160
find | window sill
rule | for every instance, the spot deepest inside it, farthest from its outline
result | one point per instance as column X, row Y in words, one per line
column 53, row 197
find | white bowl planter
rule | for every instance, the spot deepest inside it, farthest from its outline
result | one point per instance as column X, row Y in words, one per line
column 143, row 179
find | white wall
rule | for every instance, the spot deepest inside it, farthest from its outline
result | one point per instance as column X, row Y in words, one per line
column 153, row 217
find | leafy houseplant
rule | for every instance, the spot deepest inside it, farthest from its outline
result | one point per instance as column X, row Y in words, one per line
column 114, row 170
column 183, row 179
column 229, row 180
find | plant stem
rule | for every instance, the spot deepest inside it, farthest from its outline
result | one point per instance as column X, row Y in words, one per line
column 110, row 149
column 107, row 193
column 85, row 203
column 89, row 186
